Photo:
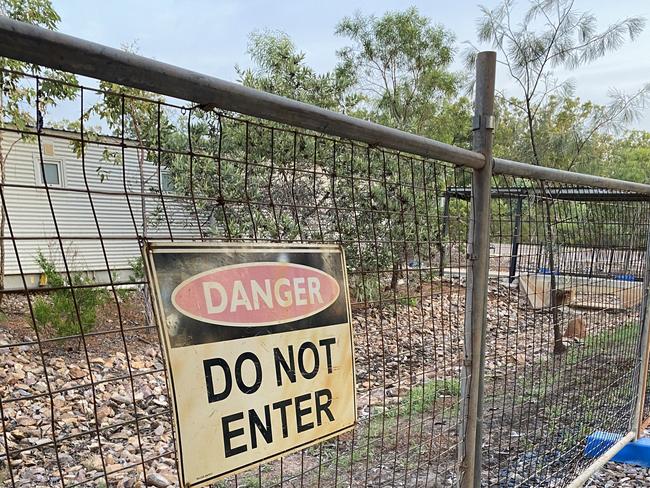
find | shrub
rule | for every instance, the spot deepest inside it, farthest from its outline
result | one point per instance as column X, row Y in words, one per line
column 137, row 269
column 58, row 310
column 364, row 289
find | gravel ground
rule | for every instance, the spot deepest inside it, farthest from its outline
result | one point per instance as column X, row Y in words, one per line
column 397, row 347
column 620, row 475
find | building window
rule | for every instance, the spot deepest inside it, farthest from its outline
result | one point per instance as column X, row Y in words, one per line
column 166, row 183
column 51, row 173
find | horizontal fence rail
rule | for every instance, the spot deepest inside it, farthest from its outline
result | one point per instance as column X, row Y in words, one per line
column 59, row 51
column 83, row 388
column 513, row 168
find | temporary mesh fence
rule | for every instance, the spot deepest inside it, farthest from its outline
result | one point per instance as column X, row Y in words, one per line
column 562, row 354
column 83, row 396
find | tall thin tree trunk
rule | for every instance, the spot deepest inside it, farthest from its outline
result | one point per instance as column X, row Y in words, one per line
column 558, row 345
column 394, row 278
column 146, row 293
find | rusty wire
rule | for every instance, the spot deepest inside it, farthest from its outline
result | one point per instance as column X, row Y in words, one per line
column 233, row 178
column 87, row 403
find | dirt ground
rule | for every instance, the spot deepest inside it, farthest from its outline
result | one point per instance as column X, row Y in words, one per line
column 70, row 406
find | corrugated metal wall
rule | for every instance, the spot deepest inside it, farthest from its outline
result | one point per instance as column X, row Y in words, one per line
column 31, row 219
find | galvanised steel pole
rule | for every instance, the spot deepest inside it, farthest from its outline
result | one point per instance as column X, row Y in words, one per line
column 478, row 254
column 55, row 50
column 644, row 349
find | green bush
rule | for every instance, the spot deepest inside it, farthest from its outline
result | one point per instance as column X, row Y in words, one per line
column 137, row 269
column 364, row 289
column 422, row 397
column 58, row 310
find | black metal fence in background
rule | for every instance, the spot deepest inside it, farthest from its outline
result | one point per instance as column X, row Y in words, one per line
column 611, row 246
column 83, row 396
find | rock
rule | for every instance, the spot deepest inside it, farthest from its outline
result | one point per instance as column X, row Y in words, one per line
column 76, row 373
column 157, row 480
column 104, row 412
column 121, row 399
column 65, row 458
column 26, row 421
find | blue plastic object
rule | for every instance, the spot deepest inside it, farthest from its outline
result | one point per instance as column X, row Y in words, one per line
column 625, row 277
column 636, row 453
column 547, row 271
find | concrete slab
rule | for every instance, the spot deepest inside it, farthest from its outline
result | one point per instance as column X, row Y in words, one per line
column 581, row 292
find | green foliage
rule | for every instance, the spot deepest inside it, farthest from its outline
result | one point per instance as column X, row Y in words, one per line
column 17, row 97
column 606, row 341
column 278, row 67
column 400, row 63
column 628, row 158
column 553, row 34
column 137, row 269
column 377, row 186
column 59, row 308
column 422, row 397
column 37, row 12
column 546, row 124
column 410, row 301
column 563, row 130
column 366, row 289
column 396, row 70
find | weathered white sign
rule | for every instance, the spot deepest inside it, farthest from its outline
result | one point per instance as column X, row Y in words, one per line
column 258, row 343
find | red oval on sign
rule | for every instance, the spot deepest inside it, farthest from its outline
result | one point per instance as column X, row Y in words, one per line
column 256, row 294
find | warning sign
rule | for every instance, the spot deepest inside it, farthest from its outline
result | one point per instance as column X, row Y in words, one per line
column 258, row 341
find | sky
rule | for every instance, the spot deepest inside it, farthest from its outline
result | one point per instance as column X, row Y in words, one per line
column 211, row 36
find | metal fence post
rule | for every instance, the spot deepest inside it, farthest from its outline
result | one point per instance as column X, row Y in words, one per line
column 444, row 233
column 644, row 349
column 478, row 254
column 516, row 237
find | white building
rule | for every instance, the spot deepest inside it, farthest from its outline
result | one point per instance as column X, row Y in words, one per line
column 72, row 183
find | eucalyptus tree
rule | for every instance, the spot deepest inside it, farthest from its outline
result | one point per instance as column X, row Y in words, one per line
column 401, row 64
column 258, row 179
column 552, row 35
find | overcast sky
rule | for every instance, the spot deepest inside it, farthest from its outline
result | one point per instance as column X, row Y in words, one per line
column 211, row 36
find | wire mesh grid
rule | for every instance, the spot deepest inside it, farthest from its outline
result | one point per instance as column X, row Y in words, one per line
column 562, row 354
column 83, row 395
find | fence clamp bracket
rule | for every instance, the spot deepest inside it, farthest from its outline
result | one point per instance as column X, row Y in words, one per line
column 471, row 256
column 488, row 121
